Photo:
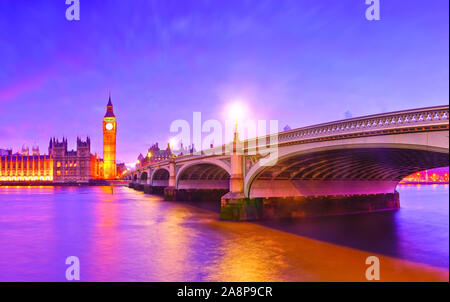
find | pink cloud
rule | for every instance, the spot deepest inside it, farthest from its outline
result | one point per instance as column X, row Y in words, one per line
column 23, row 86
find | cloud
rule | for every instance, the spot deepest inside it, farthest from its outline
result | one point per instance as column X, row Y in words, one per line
column 24, row 85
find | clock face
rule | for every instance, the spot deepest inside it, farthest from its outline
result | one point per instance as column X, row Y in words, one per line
column 109, row 126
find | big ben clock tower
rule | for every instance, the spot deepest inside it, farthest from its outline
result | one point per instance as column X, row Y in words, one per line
column 109, row 142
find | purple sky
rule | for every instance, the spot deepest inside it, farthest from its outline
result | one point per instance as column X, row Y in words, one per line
column 302, row 62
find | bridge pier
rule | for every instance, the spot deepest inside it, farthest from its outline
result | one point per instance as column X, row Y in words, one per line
column 234, row 205
column 240, row 209
column 237, row 207
column 170, row 190
column 139, row 187
column 148, row 189
column 197, row 195
column 157, row 190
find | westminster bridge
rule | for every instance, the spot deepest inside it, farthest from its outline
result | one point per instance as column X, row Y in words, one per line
column 347, row 166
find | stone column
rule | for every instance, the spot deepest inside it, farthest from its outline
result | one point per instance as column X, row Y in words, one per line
column 237, row 165
column 148, row 185
column 170, row 192
column 149, row 176
column 172, row 173
column 139, row 186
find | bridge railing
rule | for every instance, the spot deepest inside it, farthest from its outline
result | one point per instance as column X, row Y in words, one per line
column 393, row 120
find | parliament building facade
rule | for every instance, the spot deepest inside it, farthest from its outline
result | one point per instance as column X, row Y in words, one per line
column 60, row 165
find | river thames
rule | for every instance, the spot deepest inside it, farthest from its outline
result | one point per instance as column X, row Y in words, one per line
column 124, row 235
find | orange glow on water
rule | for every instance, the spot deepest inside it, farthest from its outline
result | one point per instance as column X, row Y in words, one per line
column 124, row 235
column 282, row 255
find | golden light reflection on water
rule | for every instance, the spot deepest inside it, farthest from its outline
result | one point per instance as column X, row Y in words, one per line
column 247, row 256
column 27, row 189
column 263, row 254
column 250, row 252
column 242, row 252
column 130, row 236
column 104, row 241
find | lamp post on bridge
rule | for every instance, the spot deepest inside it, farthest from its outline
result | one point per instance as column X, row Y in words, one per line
column 172, row 173
column 170, row 192
column 235, row 205
column 237, row 176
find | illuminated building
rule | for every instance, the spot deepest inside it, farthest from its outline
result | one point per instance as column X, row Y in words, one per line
column 96, row 167
column 60, row 166
column 71, row 166
column 154, row 154
column 121, row 170
column 24, row 167
column 4, row 152
column 438, row 175
column 109, row 142
column 63, row 166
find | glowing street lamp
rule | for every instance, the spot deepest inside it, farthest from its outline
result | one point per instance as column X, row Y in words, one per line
column 172, row 143
column 236, row 111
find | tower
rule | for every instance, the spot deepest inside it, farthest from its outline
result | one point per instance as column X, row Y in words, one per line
column 109, row 142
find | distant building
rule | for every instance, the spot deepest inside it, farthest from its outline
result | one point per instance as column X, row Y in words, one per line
column 121, row 170
column 185, row 150
column 5, row 152
column 438, row 175
column 59, row 166
column 74, row 166
column 156, row 154
column 25, row 167
column 62, row 165
column 109, row 142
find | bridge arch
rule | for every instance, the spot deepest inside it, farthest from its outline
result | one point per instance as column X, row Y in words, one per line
column 160, row 177
column 204, row 174
column 344, row 168
column 144, row 176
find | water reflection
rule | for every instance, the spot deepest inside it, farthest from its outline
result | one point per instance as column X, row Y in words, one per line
column 124, row 235
column 419, row 231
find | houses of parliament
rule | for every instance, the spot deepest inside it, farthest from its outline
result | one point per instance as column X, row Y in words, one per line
column 63, row 166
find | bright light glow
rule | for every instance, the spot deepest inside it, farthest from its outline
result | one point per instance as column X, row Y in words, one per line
column 173, row 143
column 236, row 111
column 149, row 154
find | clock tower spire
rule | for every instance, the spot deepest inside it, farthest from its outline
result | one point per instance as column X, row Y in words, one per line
column 109, row 141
